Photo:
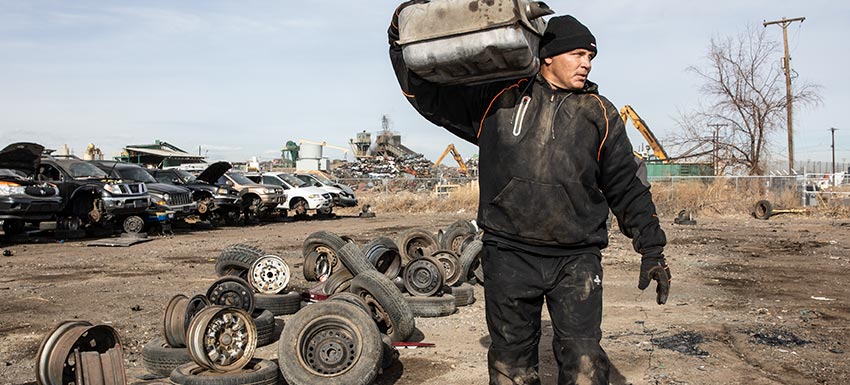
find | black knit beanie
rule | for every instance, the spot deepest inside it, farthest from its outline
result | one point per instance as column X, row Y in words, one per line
column 564, row 34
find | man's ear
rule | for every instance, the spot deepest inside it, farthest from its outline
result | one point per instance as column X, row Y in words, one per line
column 547, row 61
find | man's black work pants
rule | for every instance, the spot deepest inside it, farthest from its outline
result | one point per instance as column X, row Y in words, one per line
column 516, row 284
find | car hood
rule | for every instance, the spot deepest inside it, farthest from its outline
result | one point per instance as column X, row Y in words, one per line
column 214, row 171
column 344, row 187
column 24, row 157
column 164, row 188
column 307, row 191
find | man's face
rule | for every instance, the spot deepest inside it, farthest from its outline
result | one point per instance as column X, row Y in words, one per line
column 568, row 70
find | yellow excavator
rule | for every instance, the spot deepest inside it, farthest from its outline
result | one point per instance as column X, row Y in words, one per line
column 626, row 113
column 451, row 148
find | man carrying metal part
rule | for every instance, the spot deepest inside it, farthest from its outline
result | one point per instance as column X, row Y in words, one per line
column 554, row 158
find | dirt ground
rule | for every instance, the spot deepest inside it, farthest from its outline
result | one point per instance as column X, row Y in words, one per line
column 752, row 302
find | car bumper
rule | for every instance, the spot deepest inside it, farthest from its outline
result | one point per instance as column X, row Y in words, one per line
column 182, row 211
column 28, row 208
column 343, row 201
column 126, row 205
column 315, row 204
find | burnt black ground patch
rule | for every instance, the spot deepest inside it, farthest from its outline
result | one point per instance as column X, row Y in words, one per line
column 685, row 343
column 776, row 337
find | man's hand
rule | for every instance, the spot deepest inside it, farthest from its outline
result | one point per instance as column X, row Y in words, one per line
column 392, row 32
column 655, row 269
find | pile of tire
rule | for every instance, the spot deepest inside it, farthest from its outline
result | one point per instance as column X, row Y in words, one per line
column 438, row 270
column 184, row 354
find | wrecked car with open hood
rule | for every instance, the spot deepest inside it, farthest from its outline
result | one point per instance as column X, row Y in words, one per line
column 22, row 199
column 216, row 203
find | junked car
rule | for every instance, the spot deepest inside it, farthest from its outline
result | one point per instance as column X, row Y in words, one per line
column 89, row 196
column 342, row 195
column 257, row 199
column 175, row 199
column 217, row 203
column 300, row 197
column 22, row 199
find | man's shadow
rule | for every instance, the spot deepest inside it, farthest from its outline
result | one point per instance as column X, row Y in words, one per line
column 548, row 366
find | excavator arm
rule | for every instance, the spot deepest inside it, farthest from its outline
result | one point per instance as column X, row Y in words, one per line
column 626, row 113
column 455, row 154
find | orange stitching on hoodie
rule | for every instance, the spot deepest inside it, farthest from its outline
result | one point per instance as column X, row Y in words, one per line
column 605, row 113
column 408, row 95
column 481, row 125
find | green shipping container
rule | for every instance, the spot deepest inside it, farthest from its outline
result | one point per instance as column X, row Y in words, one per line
column 658, row 169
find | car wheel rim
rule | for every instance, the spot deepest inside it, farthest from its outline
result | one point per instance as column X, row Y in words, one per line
column 222, row 339
column 269, row 275
column 423, row 277
column 329, row 347
column 174, row 321
column 231, row 291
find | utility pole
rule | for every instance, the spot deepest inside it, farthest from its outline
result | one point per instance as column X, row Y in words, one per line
column 715, row 154
column 787, row 64
column 833, row 149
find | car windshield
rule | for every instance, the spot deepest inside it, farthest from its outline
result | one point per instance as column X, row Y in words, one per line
column 239, row 178
column 186, row 176
column 137, row 174
column 85, row 170
column 292, row 180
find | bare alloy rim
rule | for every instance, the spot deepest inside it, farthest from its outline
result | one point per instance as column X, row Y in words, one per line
column 329, row 346
column 269, row 275
column 222, row 339
column 424, row 276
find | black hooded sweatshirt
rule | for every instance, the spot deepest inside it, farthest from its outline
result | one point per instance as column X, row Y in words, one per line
column 552, row 162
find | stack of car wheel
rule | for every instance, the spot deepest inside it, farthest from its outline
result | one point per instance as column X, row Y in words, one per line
column 234, row 302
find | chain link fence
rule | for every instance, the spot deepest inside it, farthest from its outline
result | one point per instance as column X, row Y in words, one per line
column 703, row 195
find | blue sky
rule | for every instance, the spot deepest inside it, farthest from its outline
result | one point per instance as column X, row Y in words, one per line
column 240, row 78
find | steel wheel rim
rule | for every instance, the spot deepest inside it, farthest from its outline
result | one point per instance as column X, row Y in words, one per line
column 48, row 357
column 423, row 277
column 329, row 347
column 193, row 307
column 328, row 254
column 378, row 313
column 418, row 248
column 222, row 339
column 451, row 266
column 56, row 363
column 173, row 321
column 387, row 261
column 269, row 275
column 232, row 291
column 133, row 224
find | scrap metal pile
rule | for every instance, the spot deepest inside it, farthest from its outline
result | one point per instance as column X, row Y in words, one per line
column 344, row 329
column 385, row 167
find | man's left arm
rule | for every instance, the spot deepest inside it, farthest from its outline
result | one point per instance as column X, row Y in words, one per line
column 622, row 179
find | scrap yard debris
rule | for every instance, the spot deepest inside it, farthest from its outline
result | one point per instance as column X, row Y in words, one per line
column 386, row 166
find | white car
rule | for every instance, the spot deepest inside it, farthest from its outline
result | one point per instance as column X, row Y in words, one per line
column 342, row 195
column 300, row 197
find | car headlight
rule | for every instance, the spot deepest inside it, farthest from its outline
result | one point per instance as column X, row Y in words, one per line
column 268, row 191
column 166, row 197
column 314, row 196
column 221, row 191
column 113, row 188
column 158, row 199
column 11, row 188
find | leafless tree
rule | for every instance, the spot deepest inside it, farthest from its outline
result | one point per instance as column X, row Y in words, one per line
column 744, row 90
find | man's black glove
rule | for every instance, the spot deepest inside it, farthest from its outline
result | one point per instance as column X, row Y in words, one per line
column 392, row 32
column 654, row 268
